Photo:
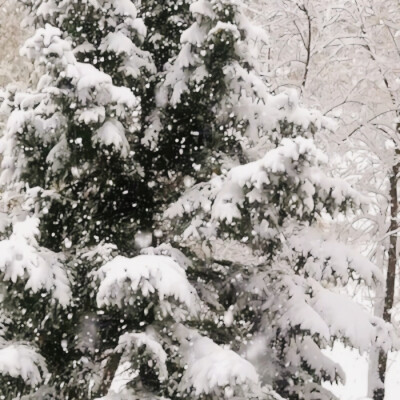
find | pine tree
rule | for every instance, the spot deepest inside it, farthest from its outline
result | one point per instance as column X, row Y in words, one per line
column 238, row 298
column 272, row 280
column 69, row 157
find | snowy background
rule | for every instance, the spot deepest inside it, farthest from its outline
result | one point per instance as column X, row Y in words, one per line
column 355, row 366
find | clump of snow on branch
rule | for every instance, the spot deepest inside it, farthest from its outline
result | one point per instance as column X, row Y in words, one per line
column 212, row 369
column 41, row 269
column 129, row 345
column 167, row 250
column 22, row 361
column 340, row 261
column 123, row 280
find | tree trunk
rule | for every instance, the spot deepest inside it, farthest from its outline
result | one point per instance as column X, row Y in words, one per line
column 379, row 393
column 380, row 260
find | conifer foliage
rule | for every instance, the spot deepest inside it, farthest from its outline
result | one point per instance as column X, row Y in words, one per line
column 159, row 215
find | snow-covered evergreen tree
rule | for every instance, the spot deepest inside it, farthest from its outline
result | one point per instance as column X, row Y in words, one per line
column 72, row 177
column 253, row 226
column 241, row 297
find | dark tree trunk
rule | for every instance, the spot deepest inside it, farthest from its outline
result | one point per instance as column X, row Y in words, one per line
column 379, row 393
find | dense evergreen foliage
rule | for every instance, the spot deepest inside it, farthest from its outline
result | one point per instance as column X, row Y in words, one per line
column 160, row 214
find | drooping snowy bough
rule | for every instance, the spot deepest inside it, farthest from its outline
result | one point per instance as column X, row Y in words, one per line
column 159, row 279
